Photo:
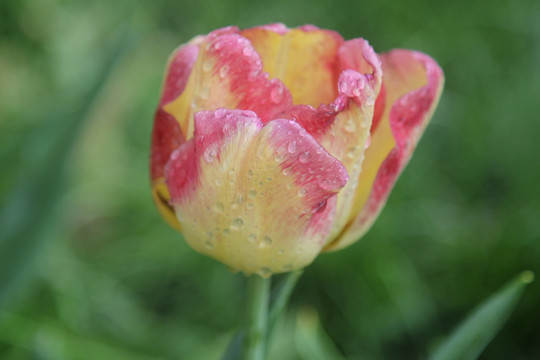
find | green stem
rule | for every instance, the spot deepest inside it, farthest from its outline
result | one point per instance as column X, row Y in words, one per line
column 283, row 293
column 255, row 340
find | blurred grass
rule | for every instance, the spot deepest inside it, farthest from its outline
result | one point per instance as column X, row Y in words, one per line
column 111, row 280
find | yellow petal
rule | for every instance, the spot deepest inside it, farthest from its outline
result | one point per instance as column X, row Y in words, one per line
column 303, row 58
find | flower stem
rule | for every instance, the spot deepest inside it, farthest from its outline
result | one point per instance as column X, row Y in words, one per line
column 255, row 340
column 283, row 293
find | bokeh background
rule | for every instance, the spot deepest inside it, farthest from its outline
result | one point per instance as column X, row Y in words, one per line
column 88, row 270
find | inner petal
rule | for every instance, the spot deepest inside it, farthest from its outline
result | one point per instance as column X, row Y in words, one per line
column 304, row 59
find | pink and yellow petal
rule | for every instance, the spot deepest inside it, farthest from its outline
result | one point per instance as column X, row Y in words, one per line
column 167, row 134
column 247, row 198
column 413, row 83
column 303, row 58
column 228, row 74
column 342, row 127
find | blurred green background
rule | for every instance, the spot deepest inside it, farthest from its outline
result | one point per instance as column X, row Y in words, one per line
column 88, row 270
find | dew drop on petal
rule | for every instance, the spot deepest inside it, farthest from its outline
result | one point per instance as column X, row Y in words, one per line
column 237, row 223
column 208, row 244
column 252, row 193
column 218, row 45
column 352, row 152
column 223, row 71
column 350, row 126
column 302, row 192
column 210, row 154
column 247, row 51
column 320, row 206
column 226, row 231
column 303, row 157
column 266, row 241
column 343, row 87
column 287, row 267
column 370, row 99
column 219, row 207
column 329, row 183
column 252, row 238
column 292, row 147
column 287, row 171
column 265, row 272
column 276, row 94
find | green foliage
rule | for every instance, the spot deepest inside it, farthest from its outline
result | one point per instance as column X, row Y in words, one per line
column 472, row 336
column 88, row 270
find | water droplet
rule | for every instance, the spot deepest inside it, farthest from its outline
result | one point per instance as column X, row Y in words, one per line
column 276, row 94
column 281, row 252
column 289, row 186
column 250, row 206
column 226, row 231
column 209, row 245
column 287, row 171
column 269, row 178
column 210, row 154
column 350, row 126
column 292, row 147
column 329, row 183
column 302, row 192
column 370, row 99
column 356, row 92
column 287, row 267
column 304, row 157
column 266, row 241
column 253, row 74
column 252, row 193
column 218, row 45
column 219, row 182
column 247, row 51
column 265, row 272
column 252, row 238
column 343, row 87
column 223, row 71
column 352, row 152
column 237, row 223
column 320, row 206
column 279, row 158
column 219, row 207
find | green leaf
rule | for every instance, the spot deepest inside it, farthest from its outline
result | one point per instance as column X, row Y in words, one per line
column 472, row 336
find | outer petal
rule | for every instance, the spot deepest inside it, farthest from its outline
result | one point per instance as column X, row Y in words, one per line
column 342, row 127
column 303, row 58
column 244, row 198
column 167, row 135
column 228, row 73
column 413, row 83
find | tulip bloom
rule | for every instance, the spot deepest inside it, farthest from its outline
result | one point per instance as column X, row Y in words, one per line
column 271, row 144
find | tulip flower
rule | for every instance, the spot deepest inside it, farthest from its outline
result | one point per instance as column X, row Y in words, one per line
column 271, row 145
